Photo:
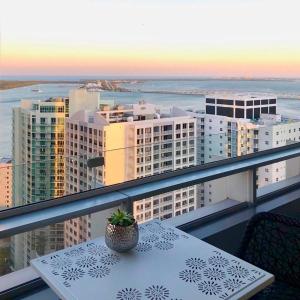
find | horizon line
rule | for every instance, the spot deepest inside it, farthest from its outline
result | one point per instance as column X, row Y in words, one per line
column 145, row 77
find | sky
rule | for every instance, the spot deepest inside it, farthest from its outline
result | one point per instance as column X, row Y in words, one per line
column 249, row 38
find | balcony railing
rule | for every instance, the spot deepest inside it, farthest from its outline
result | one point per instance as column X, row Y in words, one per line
column 31, row 216
column 241, row 171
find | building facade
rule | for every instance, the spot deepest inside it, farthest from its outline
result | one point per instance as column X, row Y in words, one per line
column 135, row 141
column 85, row 97
column 240, row 124
column 241, row 106
column 273, row 132
column 5, row 183
column 38, row 153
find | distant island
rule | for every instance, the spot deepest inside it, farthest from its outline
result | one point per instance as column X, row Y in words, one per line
column 113, row 84
column 12, row 84
column 8, row 84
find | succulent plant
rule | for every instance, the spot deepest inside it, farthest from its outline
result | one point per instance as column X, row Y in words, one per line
column 121, row 218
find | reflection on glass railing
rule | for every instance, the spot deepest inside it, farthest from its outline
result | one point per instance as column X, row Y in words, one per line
column 277, row 176
column 5, row 256
column 20, row 249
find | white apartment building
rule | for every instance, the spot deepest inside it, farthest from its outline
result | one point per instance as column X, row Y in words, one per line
column 38, row 149
column 5, row 183
column 135, row 141
column 85, row 97
column 275, row 131
column 240, row 124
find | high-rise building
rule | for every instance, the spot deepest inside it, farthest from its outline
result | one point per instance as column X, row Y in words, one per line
column 240, row 124
column 135, row 141
column 241, row 106
column 38, row 157
column 85, row 97
column 39, row 164
column 5, row 183
column 274, row 131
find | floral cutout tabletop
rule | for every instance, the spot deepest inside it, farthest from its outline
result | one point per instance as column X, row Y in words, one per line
column 167, row 264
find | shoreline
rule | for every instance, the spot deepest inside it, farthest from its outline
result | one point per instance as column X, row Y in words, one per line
column 13, row 84
column 114, row 86
column 107, row 85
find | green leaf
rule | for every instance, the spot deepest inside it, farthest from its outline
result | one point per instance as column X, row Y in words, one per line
column 121, row 218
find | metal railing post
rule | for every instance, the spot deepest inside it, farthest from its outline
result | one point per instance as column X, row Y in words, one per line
column 254, row 186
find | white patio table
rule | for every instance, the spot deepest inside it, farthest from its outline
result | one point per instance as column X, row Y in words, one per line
column 167, row 264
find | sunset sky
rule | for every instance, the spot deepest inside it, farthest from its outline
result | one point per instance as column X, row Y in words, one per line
column 252, row 38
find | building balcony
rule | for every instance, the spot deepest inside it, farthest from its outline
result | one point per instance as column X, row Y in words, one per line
column 221, row 223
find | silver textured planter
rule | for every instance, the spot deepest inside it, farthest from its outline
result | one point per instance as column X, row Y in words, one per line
column 121, row 238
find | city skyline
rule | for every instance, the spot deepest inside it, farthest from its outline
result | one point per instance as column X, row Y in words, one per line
column 135, row 141
column 194, row 38
column 151, row 138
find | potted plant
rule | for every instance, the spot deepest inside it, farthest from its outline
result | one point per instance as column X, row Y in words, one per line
column 122, row 232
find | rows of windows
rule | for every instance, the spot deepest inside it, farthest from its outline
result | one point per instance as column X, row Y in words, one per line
column 46, row 121
column 249, row 113
column 52, row 109
column 241, row 103
column 164, row 128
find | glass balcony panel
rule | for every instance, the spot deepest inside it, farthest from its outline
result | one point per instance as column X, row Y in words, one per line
column 53, row 174
column 17, row 251
column 280, row 175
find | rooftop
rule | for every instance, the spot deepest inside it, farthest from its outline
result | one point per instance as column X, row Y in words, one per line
column 142, row 112
column 241, row 96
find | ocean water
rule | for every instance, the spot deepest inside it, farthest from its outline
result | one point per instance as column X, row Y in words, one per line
column 288, row 107
column 267, row 86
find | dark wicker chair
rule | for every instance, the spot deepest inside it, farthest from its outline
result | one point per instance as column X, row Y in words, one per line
column 272, row 242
